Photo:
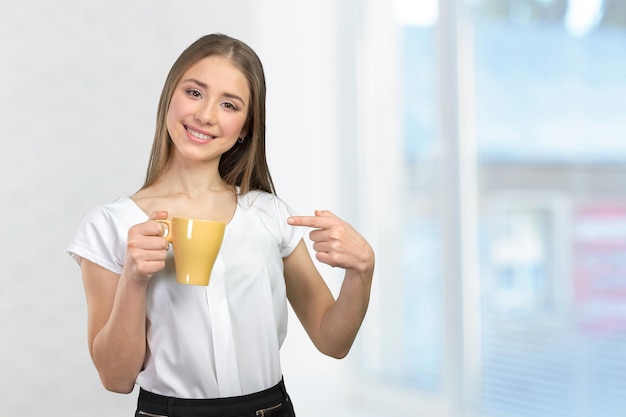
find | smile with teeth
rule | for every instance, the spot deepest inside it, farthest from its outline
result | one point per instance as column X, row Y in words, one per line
column 198, row 134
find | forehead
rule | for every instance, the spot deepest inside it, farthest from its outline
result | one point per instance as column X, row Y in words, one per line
column 219, row 74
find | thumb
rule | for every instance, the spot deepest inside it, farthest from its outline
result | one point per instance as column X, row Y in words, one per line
column 324, row 213
column 159, row 215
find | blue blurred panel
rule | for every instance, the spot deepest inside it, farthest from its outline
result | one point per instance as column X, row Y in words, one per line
column 545, row 96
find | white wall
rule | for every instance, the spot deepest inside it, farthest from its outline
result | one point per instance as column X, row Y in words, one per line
column 79, row 84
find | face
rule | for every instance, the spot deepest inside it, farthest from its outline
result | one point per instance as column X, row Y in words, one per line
column 208, row 109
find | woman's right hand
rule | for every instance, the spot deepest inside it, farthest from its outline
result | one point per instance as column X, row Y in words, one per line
column 147, row 249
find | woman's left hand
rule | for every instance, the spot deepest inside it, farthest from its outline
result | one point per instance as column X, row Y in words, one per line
column 336, row 243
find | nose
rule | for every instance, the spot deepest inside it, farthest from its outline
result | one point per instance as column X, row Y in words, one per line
column 205, row 113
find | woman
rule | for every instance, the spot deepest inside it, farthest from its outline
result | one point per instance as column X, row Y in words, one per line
column 213, row 350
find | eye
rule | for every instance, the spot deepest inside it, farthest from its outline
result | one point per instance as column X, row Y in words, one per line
column 229, row 105
column 194, row 93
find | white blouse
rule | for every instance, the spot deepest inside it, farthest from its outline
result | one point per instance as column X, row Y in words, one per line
column 217, row 341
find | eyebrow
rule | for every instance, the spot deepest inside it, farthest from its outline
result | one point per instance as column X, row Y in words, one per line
column 206, row 87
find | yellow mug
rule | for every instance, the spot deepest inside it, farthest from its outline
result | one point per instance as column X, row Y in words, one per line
column 196, row 245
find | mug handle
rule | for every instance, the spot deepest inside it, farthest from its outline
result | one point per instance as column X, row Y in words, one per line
column 166, row 233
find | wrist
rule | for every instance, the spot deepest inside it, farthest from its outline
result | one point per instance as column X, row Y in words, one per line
column 363, row 273
column 133, row 283
column 365, row 269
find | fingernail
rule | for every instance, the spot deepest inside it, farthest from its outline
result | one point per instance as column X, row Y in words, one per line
column 290, row 221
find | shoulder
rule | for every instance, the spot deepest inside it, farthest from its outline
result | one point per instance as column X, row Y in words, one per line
column 272, row 212
column 265, row 203
column 119, row 208
column 119, row 213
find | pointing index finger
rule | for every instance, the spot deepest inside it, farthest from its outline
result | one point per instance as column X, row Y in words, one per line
column 322, row 219
column 309, row 221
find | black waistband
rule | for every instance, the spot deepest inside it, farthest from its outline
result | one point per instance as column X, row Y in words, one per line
column 258, row 403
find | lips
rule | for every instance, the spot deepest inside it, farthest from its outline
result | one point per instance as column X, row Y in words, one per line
column 198, row 135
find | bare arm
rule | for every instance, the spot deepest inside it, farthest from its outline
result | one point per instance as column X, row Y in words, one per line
column 117, row 307
column 331, row 324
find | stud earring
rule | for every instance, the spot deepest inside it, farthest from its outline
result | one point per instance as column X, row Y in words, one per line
column 241, row 139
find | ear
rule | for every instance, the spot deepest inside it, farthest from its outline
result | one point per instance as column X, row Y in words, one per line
column 245, row 129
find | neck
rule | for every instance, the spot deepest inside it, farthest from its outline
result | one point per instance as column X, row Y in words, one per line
column 192, row 178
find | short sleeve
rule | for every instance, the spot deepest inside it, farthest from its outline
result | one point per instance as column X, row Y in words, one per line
column 290, row 235
column 98, row 240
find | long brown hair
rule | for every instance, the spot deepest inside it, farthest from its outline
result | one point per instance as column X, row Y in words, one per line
column 245, row 164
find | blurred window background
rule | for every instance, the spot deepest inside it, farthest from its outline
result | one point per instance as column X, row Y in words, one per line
column 513, row 113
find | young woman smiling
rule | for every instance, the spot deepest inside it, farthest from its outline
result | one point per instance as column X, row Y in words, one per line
column 198, row 351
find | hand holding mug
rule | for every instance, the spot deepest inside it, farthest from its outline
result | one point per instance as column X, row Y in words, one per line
column 146, row 249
